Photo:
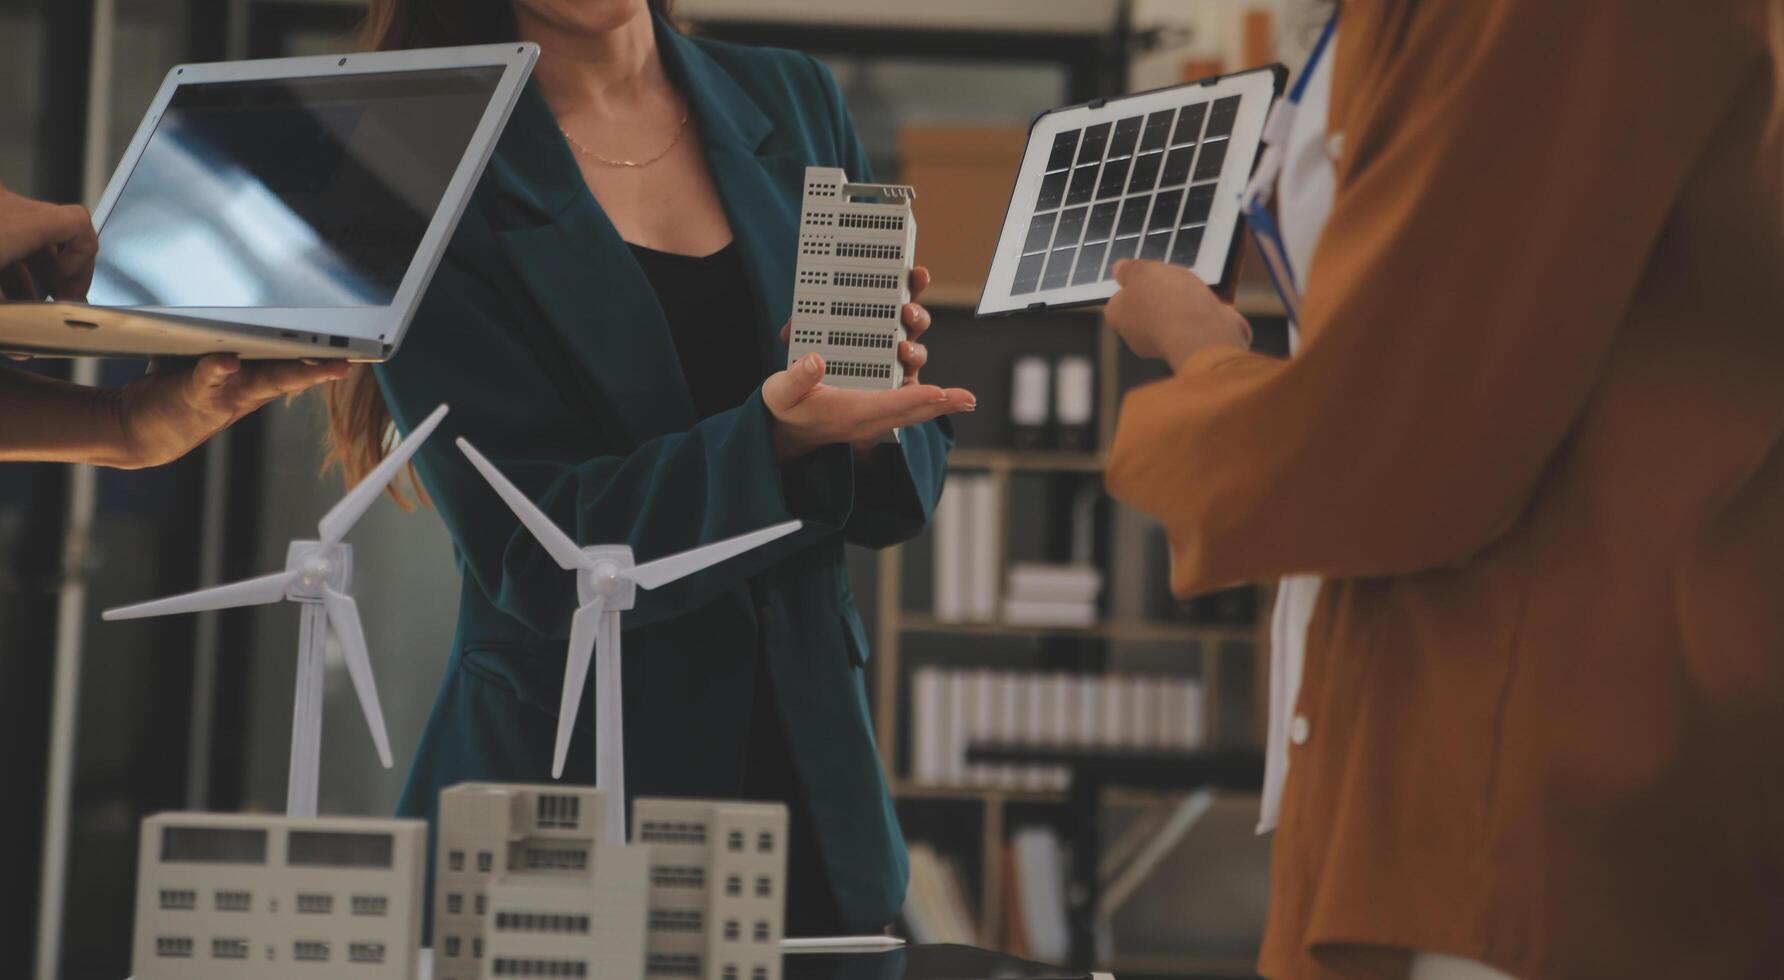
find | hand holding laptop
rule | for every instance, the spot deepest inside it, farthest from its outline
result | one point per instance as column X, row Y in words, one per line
column 45, row 249
column 48, row 249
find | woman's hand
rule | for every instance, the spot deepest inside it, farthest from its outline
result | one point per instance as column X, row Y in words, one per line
column 916, row 321
column 869, row 414
column 809, row 414
column 1167, row 312
column 164, row 415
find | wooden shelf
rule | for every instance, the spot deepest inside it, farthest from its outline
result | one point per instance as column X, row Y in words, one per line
column 1141, row 630
column 1026, row 460
column 905, row 789
column 1178, row 964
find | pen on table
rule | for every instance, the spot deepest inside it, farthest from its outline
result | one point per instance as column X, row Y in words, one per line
column 841, row 944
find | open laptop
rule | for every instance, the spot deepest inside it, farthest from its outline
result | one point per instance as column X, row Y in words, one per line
column 294, row 207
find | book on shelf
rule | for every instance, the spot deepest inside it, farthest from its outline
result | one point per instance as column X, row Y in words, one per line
column 953, row 708
column 936, row 909
column 1040, row 873
column 985, row 519
column 965, row 527
column 1039, row 594
column 950, row 552
column 1045, row 582
column 1076, row 615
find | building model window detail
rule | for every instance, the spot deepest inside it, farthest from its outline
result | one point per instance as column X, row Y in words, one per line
column 673, row 965
column 309, row 951
column 370, row 905
column 677, row 920
column 229, row 949
column 315, row 904
column 365, row 952
column 515, row 967
column 678, row 876
column 174, row 946
column 672, row 832
column 558, row 812
column 543, row 922
column 179, row 899
column 554, row 858
column 233, row 901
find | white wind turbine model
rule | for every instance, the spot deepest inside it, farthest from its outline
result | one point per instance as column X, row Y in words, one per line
column 316, row 576
column 606, row 581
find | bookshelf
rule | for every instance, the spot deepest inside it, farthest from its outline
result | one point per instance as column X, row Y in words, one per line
column 901, row 631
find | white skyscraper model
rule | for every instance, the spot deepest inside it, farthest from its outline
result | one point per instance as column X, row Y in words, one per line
column 606, row 581
column 226, row 896
column 718, row 873
column 317, row 576
column 856, row 247
column 525, row 885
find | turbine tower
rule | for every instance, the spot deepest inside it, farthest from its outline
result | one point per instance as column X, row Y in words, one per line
column 607, row 581
column 317, row 576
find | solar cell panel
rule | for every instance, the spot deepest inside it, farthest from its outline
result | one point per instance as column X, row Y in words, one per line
column 1155, row 175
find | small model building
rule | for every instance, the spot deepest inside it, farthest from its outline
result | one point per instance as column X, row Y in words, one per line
column 523, row 886
column 718, row 874
column 526, row 886
column 856, row 243
column 225, row 896
column 569, row 921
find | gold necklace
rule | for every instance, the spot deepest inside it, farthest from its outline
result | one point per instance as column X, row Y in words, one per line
column 680, row 128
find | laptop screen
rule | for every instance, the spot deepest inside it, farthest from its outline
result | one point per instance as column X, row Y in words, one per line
column 300, row 192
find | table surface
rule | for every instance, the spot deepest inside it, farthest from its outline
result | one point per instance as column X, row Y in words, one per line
column 426, row 972
column 425, row 968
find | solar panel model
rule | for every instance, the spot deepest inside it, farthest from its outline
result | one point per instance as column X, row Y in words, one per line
column 856, row 243
column 1155, row 175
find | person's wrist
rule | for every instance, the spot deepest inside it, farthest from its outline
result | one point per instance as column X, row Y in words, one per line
column 1178, row 346
column 787, row 444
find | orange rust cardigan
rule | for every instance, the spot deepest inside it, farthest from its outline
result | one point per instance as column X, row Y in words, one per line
column 1535, row 441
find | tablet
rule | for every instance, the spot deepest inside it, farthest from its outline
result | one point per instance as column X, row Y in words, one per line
column 1156, row 175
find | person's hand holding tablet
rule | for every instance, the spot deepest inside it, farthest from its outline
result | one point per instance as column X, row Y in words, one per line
column 1167, row 312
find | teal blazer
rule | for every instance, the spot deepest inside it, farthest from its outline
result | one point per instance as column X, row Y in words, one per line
column 546, row 338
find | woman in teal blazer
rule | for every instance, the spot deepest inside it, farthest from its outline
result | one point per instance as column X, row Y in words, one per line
column 545, row 335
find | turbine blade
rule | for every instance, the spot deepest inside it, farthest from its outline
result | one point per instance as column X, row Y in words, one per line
column 584, row 634
column 342, row 516
column 252, row 592
column 665, row 570
column 557, row 544
column 343, row 614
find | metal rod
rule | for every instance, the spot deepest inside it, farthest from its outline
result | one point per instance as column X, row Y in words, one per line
column 204, row 657
column 306, row 713
column 607, row 692
column 72, row 598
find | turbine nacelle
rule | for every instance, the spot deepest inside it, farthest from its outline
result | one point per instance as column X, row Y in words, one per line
column 604, row 577
column 318, row 568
